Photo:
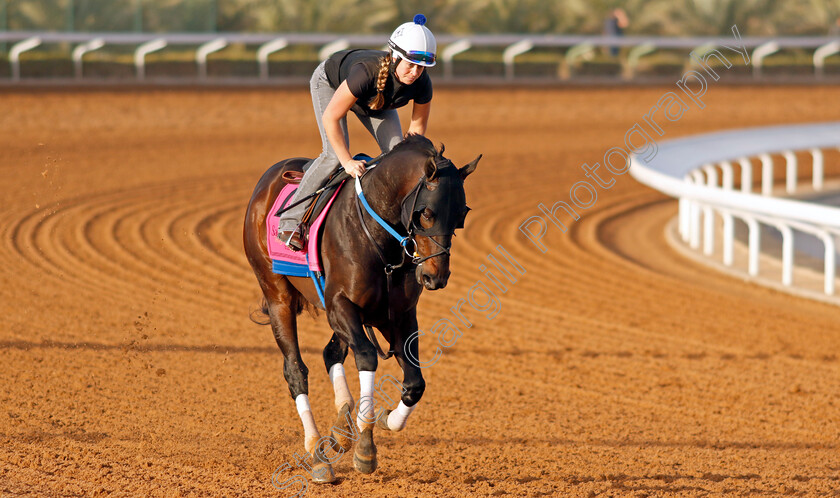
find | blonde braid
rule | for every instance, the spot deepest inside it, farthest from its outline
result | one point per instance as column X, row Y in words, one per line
column 378, row 100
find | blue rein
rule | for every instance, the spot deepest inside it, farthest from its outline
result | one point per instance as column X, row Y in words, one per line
column 402, row 240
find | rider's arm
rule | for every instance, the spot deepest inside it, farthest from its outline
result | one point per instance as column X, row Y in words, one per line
column 419, row 118
column 336, row 110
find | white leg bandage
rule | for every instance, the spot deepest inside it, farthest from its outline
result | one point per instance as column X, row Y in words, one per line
column 365, row 418
column 398, row 417
column 339, row 382
column 310, row 431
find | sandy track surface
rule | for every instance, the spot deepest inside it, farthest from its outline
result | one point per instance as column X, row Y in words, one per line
column 614, row 366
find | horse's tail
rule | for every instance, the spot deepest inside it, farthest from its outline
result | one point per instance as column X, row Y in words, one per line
column 260, row 315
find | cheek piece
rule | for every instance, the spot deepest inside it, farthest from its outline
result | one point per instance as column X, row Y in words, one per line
column 448, row 191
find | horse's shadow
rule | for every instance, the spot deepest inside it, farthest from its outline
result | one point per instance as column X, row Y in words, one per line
column 145, row 348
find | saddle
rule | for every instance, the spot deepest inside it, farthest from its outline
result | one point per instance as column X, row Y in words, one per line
column 306, row 263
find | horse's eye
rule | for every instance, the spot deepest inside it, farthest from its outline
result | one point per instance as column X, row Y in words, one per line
column 428, row 214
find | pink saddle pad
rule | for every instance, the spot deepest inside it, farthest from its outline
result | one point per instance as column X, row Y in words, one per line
column 278, row 251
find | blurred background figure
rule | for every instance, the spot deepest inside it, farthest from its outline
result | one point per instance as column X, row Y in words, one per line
column 614, row 25
column 834, row 30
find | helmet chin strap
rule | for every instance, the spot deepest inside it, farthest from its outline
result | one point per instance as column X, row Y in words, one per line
column 396, row 54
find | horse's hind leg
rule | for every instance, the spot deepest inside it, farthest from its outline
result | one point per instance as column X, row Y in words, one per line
column 343, row 430
column 282, row 313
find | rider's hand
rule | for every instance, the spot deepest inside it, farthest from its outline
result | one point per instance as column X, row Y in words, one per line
column 354, row 168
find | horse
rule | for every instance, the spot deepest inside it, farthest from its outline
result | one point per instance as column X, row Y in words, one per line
column 375, row 273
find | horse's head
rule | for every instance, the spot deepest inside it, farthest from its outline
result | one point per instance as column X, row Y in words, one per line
column 433, row 210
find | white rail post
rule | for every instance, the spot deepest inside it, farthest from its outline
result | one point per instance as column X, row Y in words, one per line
column 709, row 214
column 694, row 236
column 685, row 212
column 141, row 53
column 818, row 169
column 635, row 55
column 451, row 51
column 17, row 49
column 727, row 180
column 754, row 245
column 80, row 52
column 790, row 163
column 728, row 238
column 582, row 50
column 205, row 50
column 760, row 53
column 267, row 49
column 746, row 175
column 332, row 47
column 766, row 174
column 694, row 225
column 698, row 52
column 728, row 183
column 821, row 54
column 828, row 241
column 711, row 175
column 511, row 52
column 787, row 254
column 708, row 230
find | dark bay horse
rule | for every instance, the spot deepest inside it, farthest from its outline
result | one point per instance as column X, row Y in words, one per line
column 372, row 279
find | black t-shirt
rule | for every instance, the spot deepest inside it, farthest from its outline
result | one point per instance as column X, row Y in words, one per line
column 360, row 68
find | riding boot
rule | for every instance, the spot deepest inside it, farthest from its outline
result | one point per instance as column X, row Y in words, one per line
column 295, row 239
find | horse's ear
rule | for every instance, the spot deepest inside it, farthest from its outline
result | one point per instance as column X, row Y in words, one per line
column 431, row 169
column 469, row 168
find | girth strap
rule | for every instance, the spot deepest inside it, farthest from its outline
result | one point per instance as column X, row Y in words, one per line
column 372, row 336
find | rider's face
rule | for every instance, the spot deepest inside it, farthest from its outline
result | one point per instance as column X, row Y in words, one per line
column 408, row 72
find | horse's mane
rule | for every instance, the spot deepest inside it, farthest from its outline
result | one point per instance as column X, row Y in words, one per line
column 417, row 143
column 425, row 147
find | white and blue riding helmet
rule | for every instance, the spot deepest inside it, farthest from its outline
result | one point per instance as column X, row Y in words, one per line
column 414, row 42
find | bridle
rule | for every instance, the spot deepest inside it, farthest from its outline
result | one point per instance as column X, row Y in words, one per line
column 408, row 217
column 409, row 211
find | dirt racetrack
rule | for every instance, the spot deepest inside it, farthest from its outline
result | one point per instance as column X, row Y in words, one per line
column 613, row 367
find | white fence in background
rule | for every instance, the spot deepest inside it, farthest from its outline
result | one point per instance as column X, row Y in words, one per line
column 689, row 168
column 573, row 47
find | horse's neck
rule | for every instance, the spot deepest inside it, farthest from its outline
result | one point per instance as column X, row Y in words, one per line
column 388, row 183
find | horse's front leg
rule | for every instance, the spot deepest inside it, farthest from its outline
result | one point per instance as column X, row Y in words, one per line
column 345, row 319
column 343, row 433
column 407, row 353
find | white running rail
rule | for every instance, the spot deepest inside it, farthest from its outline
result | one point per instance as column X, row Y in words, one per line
column 687, row 169
column 513, row 45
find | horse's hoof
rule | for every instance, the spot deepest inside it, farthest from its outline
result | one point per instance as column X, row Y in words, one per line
column 322, row 471
column 364, row 458
column 341, row 442
column 364, row 465
column 382, row 419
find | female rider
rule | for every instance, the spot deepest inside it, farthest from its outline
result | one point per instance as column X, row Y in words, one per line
column 373, row 84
